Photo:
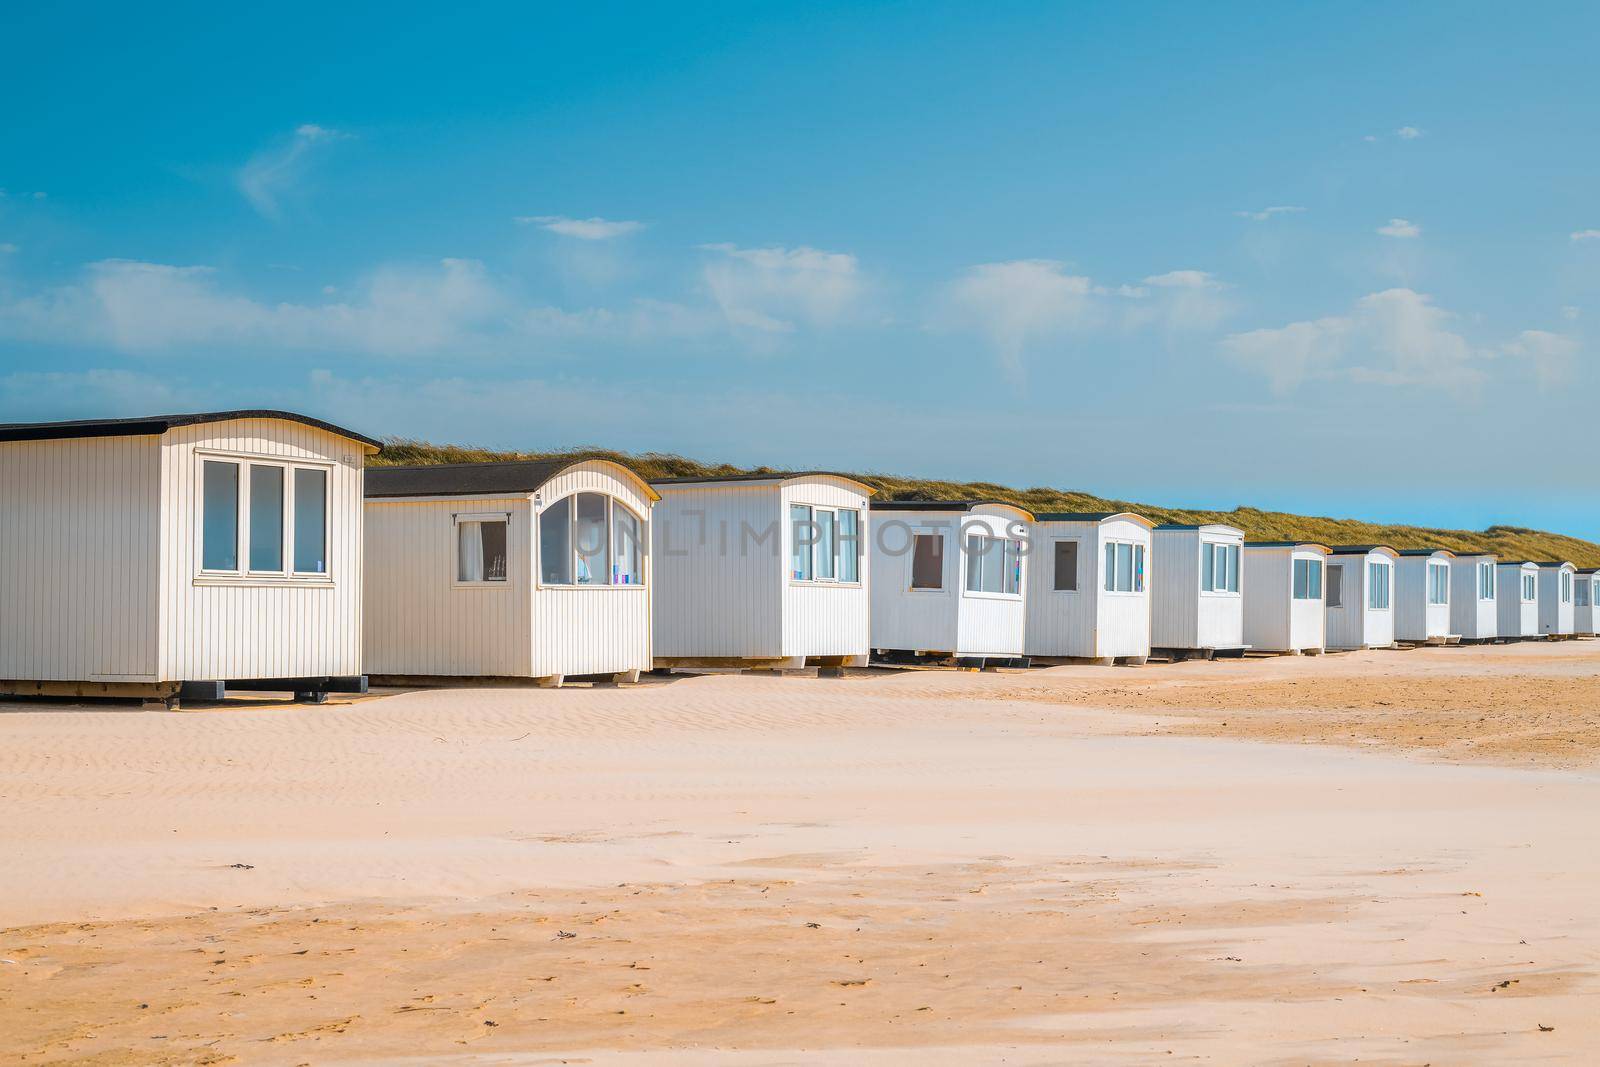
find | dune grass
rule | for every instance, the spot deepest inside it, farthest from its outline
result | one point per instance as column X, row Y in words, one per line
column 1507, row 542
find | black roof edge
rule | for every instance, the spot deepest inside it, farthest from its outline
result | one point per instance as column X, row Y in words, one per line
column 154, row 425
column 1356, row 550
column 748, row 476
column 1285, row 544
column 944, row 505
column 1425, row 551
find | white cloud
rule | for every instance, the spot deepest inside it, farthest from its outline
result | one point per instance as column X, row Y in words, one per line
column 1552, row 355
column 1408, row 133
column 6, row 247
column 592, row 229
column 1185, row 279
column 1571, row 313
column 1269, row 212
column 1019, row 302
column 1183, row 301
column 1400, row 228
column 1586, row 235
column 1394, row 337
column 771, row 289
column 272, row 173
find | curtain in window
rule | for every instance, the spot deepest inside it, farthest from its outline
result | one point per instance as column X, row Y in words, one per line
column 469, row 552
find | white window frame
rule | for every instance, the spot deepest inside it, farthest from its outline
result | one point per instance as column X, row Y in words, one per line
column 1313, row 566
column 938, row 533
column 986, row 534
column 1223, row 549
column 1441, row 571
column 1488, row 579
column 1077, row 562
column 455, row 549
column 1566, row 587
column 1138, row 563
column 243, row 574
column 1530, row 588
column 1373, row 566
column 838, row 544
column 612, row 502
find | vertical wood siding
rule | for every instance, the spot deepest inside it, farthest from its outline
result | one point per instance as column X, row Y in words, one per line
column 718, row 586
column 418, row 620
column 902, row 617
column 1554, row 616
column 248, row 628
column 826, row 618
column 80, row 522
column 1356, row 624
column 1414, row 618
column 1516, row 619
column 990, row 624
column 1268, row 610
column 1089, row 621
column 1471, row 617
column 1586, row 617
column 1175, row 588
column 600, row 629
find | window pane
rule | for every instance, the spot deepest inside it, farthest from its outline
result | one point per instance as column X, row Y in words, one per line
column 1335, row 585
column 555, row 543
column 469, row 552
column 1316, row 579
column 993, row 569
column 849, row 545
column 927, row 561
column 802, row 535
column 1208, row 566
column 220, row 516
column 627, row 558
column 827, row 544
column 1066, row 566
column 590, row 540
column 1233, row 568
column 266, row 518
column 1111, row 568
column 1302, row 579
column 493, row 538
column 1011, row 576
column 310, row 521
column 1138, row 568
column 1124, row 568
column 974, row 563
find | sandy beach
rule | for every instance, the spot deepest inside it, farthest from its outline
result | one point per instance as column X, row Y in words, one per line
column 1388, row 857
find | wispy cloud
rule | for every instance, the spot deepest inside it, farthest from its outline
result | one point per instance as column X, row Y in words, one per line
column 1408, row 133
column 773, row 289
column 1552, row 355
column 1270, row 212
column 6, row 247
column 1400, row 228
column 591, row 229
column 272, row 173
column 1017, row 303
column 1586, row 235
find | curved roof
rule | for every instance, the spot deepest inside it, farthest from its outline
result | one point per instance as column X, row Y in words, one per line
column 1288, row 544
column 1518, row 563
column 1558, row 563
column 1200, row 526
column 777, row 477
column 946, row 505
column 154, row 425
column 1427, row 552
column 1361, row 550
column 1092, row 516
column 506, row 478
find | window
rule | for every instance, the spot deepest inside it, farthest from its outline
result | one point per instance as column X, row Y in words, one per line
column 1530, row 589
column 1566, row 587
column 627, row 556
column 927, row 561
column 1336, row 585
column 802, row 538
column 1219, row 567
column 590, row 539
column 1438, row 583
column 1485, row 581
column 849, row 545
column 220, row 507
column 1378, row 586
column 1308, row 579
column 994, row 564
column 310, row 521
column 824, row 544
column 1066, row 564
column 1124, row 567
column 1582, row 600
column 480, row 548
column 266, row 517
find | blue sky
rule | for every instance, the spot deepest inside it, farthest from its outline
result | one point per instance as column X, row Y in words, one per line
column 1343, row 260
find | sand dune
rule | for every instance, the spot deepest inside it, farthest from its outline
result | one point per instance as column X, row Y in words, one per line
column 1075, row 865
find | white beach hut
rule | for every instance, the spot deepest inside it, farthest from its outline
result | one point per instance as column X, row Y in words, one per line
column 1586, row 602
column 1473, row 611
column 531, row 569
column 1422, row 597
column 1518, row 597
column 950, row 581
column 1556, row 614
column 1283, row 604
column 1360, row 595
column 762, row 570
column 181, row 555
column 1087, row 595
column 1196, row 590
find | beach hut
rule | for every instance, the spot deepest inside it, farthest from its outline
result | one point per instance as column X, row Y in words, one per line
column 1556, row 614
column 531, row 569
column 1422, row 597
column 1360, row 593
column 761, row 570
column 1196, row 590
column 1473, row 611
column 1087, row 595
column 1517, row 583
column 1586, row 602
column 1283, row 607
column 181, row 555
column 950, row 581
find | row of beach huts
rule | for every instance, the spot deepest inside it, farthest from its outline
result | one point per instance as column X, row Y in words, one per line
column 190, row 555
